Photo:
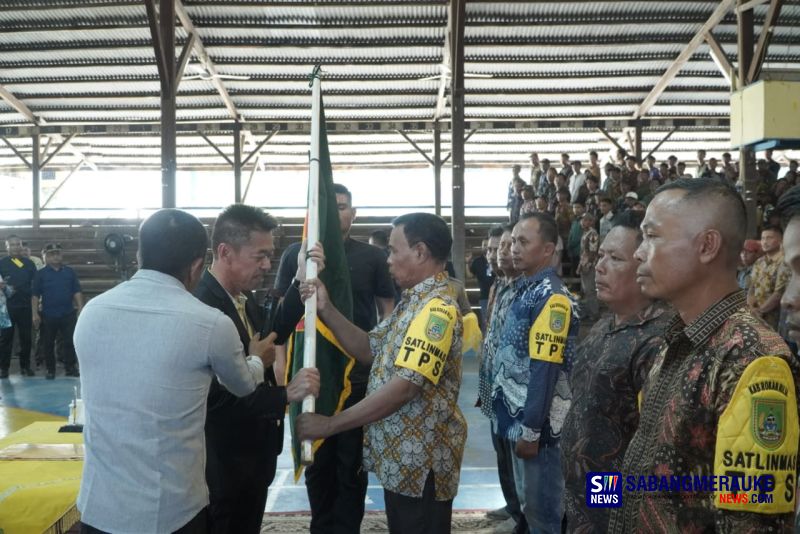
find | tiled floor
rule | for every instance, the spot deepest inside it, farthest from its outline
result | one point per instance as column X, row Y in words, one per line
column 479, row 487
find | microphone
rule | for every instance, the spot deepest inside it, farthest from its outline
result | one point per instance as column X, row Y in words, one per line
column 270, row 311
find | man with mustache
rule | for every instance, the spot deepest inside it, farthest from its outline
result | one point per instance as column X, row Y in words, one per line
column 719, row 383
column 611, row 365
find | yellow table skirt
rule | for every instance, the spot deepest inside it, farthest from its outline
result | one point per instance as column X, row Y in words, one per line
column 39, row 496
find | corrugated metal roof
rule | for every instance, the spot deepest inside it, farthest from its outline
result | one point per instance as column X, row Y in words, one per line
column 79, row 61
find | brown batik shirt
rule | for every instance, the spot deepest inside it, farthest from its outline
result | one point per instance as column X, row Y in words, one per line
column 686, row 392
column 611, row 365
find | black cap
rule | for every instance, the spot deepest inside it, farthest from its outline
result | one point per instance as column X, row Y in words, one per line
column 50, row 247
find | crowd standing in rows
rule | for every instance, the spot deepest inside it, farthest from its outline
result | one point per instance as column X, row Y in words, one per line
column 688, row 344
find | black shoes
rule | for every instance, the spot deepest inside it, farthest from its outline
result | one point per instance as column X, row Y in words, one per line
column 27, row 371
column 72, row 372
column 4, row 373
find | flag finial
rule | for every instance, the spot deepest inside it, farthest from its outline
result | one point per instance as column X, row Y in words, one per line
column 314, row 74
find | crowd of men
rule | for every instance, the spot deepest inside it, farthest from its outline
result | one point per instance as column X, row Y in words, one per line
column 685, row 376
column 572, row 193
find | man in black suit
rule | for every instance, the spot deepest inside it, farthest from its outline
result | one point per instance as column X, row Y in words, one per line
column 244, row 436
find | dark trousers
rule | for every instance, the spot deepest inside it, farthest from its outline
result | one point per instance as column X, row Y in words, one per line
column 50, row 329
column 197, row 525
column 337, row 482
column 22, row 322
column 423, row 515
column 237, row 487
column 505, row 472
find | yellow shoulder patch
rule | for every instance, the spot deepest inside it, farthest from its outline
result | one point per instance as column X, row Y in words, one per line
column 548, row 335
column 757, row 436
column 428, row 339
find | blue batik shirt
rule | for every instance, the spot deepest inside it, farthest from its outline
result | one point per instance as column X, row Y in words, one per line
column 530, row 390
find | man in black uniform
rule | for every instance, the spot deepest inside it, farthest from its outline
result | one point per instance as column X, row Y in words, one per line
column 17, row 272
column 244, row 436
column 336, row 482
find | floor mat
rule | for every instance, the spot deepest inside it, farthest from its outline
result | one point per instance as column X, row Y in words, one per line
column 464, row 522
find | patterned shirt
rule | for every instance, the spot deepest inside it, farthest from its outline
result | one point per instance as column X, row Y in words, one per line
column 428, row 433
column 769, row 276
column 505, row 293
column 611, row 365
column 590, row 243
column 530, row 394
column 691, row 384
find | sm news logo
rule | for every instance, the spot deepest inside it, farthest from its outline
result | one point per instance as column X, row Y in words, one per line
column 603, row 490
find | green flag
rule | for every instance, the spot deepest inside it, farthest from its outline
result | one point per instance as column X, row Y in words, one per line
column 333, row 364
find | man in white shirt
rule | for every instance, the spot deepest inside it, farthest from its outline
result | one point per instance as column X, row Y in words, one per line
column 148, row 350
column 576, row 181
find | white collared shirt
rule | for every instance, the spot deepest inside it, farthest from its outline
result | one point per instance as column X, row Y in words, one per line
column 148, row 350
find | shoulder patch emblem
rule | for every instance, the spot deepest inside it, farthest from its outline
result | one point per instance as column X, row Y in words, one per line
column 436, row 328
column 558, row 320
column 768, row 422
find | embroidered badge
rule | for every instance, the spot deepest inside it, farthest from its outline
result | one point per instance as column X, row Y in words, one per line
column 769, row 422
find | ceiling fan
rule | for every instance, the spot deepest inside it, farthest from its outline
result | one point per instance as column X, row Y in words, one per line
column 202, row 73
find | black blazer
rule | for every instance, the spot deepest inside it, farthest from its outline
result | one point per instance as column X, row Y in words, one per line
column 254, row 423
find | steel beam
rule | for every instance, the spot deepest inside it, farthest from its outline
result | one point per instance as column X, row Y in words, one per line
column 447, row 157
column 215, row 147
column 36, row 180
column 457, row 21
column 746, row 6
column 416, row 147
column 158, row 46
column 63, row 182
column 747, row 156
column 353, row 127
column 46, row 147
column 611, row 139
column 183, row 60
column 16, row 152
column 169, row 163
column 258, row 147
column 664, row 140
column 55, row 152
column 672, row 71
column 720, row 58
column 437, row 171
column 444, row 69
column 17, row 104
column 767, row 29
column 237, row 162
column 202, row 54
column 250, row 178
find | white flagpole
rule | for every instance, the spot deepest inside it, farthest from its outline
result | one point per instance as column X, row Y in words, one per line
column 310, row 343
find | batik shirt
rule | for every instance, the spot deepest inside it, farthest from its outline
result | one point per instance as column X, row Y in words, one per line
column 769, row 276
column 590, row 244
column 530, row 390
column 611, row 365
column 684, row 421
column 428, row 433
column 505, row 294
